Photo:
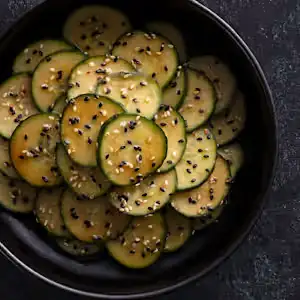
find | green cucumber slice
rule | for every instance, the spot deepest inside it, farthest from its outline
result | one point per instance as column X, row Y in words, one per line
column 221, row 76
column 32, row 55
column 87, row 182
column 199, row 102
column 173, row 127
column 50, row 78
column 94, row 28
column 212, row 217
column 176, row 90
column 228, row 125
column 198, row 159
column 179, row 230
column 92, row 220
column 16, row 196
column 60, row 105
column 81, row 123
column 137, row 93
column 210, row 195
column 141, row 244
column 234, row 154
column 87, row 74
column 77, row 248
column 16, row 103
column 130, row 148
column 32, row 150
column 47, row 211
column 6, row 166
column 150, row 54
column 149, row 196
column 172, row 33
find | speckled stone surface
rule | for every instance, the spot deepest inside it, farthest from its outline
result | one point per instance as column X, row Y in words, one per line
column 267, row 265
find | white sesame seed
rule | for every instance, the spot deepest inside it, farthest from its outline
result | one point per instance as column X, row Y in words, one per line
column 26, row 50
column 52, row 77
column 154, row 238
column 78, row 72
column 107, row 134
column 26, row 112
column 190, row 105
column 69, row 151
column 103, row 112
column 150, row 226
column 159, row 53
column 41, row 46
column 123, row 124
column 170, row 46
column 5, row 95
column 117, row 171
column 51, row 89
column 111, row 149
column 92, row 64
column 51, row 118
column 152, row 158
column 109, row 162
column 52, row 69
column 174, row 154
column 116, row 131
column 166, row 182
column 138, row 118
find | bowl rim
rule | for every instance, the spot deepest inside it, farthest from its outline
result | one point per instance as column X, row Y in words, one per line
column 235, row 244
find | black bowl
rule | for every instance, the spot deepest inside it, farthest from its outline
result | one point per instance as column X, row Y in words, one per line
column 27, row 246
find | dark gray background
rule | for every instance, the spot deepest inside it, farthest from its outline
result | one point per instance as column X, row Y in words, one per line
column 267, row 265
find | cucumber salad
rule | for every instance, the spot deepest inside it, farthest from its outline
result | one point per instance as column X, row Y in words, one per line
column 115, row 140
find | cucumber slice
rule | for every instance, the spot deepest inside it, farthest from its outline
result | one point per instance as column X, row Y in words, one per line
column 86, row 75
column 16, row 103
column 173, row 34
column 88, row 182
column 32, row 150
column 150, row 54
column 141, row 244
column 221, row 76
column 179, row 230
column 16, row 196
column 212, row 217
column 91, row 220
column 130, row 148
column 94, row 28
column 228, row 125
column 173, row 126
column 47, row 211
column 210, row 195
column 50, row 78
column 175, row 92
column 81, row 123
column 151, row 195
column 135, row 92
column 234, row 155
column 199, row 102
column 30, row 57
column 6, row 166
column 198, row 159
column 60, row 105
column 77, row 248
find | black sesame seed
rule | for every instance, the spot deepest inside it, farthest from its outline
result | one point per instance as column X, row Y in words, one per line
column 173, row 84
column 137, row 203
column 230, row 122
column 150, row 208
column 166, row 68
column 199, row 139
column 132, row 251
column 80, row 132
column 87, row 126
column 197, row 97
column 234, row 129
column 189, row 171
column 122, row 147
column 124, row 44
column 178, row 92
column 148, row 48
column 144, row 195
column 200, row 150
column 208, row 137
column 25, row 137
column 153, row 164
column 59, row 75
column 163, row 124
column 107, row 225
column 94, row 117
column 207, row 170
column 153, row 75
column 195, row 166
column 48, row 59
column 22, row 157
column 141, row 50
column 193, row 180
column 136, row 169
column 189, row 162
column 206, row 156
column 12, row 110
column 90, row 141
column 181, row 141
column 83, row 37
column 28, row 61
column 162, row 189
column 86, row 98
column 87, row 223
column 220, row 131
column 169, row 162
column 135, row 100
column 45, row 179
column 129, row 142
column 138, row 110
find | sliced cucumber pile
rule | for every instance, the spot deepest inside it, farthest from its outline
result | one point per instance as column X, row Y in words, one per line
column 94, row 28
column 234, row 154
column 149, row 196
column 199, row 102
column 92, row 220
column 228, row 125
column 130, row 148
column 81, row 123
column 149, row 53
column 203, row 222
column 87, row 74
column 50, row 78
column 77, row 248
column 16, row 103
column 172, row 33
column 204, row 199
column 198, row 159
column 179, row 230
column 32, row 150
column 6, row 166
column 221, row 76
column 141, row 244
column 173, row 127
column 16, row 196
column 175, row 91
column 32, row 55
column 47, row 211
column 130, row 143
column 138, row 94
column 87, row 182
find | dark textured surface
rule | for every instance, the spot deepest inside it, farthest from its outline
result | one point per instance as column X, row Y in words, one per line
column 267, row 265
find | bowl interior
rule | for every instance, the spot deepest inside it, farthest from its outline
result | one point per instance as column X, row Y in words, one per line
column 203, row 35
